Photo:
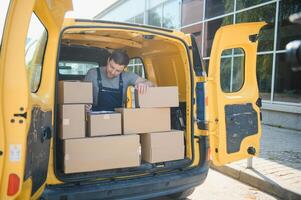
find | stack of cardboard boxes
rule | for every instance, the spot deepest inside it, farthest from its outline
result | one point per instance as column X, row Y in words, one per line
column 151, row 119
column 95, row 141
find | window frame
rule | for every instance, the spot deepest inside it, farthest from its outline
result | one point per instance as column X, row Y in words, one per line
column 232, row 56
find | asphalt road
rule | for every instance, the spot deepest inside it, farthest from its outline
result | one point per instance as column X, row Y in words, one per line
column 220, row 187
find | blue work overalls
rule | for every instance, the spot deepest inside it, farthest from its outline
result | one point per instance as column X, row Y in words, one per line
column 108, row 98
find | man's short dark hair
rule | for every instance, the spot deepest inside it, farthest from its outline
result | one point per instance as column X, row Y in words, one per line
column 120, row 57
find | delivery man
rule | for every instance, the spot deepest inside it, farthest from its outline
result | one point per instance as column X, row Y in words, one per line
column 110, row 82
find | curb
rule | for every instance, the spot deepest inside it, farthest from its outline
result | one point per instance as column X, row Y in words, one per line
column 267, row 186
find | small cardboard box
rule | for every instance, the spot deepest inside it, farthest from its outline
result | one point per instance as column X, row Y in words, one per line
column 72, row 121
column 158, row 97
column 162, row 147
column 101, row 153
column 75, row 92
column 103, row 123
column 145, row 120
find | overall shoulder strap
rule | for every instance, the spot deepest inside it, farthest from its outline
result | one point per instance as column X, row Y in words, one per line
column 99, row 79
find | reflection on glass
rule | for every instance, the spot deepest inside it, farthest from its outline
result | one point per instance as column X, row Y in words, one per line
column 240, row 4
column 171, row 14
column 198, row 39
column 206, row 63
column 139, row 19
column 210, row 29
column 264, row 13
column 192, row 11
column 76, row 68
column 218, row 7
column 34, row 51
column 3, row 10
column 287, row 82
column 225, row 74
column 153, row 3
column 264, row 75
column 125, row 11
column 288, row 31
column 232, row 70
column 154, row 16
column 196, row 30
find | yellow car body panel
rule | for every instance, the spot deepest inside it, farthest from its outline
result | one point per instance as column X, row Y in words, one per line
column 17, row 98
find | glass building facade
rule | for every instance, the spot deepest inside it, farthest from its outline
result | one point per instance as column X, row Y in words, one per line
column 278, row 84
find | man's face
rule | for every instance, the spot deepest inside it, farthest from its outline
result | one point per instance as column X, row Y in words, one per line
column 114, row 69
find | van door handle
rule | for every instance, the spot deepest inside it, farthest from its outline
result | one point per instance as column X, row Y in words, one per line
column 24, row 115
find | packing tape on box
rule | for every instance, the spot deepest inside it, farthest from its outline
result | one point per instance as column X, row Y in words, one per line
column 66, row 122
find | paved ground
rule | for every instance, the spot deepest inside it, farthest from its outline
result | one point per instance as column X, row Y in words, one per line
column 282, row 146
column 278, row 169
column 220, row 187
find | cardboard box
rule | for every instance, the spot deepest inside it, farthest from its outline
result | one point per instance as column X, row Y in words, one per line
column 72, row 121
column 158, row 97
column 145, row 120
column 75, row 92
column 103, row 123
column 101, row 153
column 162, row 147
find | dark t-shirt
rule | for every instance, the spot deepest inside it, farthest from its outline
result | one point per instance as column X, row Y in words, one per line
column 129, row 78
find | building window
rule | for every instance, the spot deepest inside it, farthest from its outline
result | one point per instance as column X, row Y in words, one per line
column 125, row 11
column 196, row 30
column 287, row 82
column 241, row 4
column 171, row 14
column 192, row 11
column 210, row 30
column 155, row 16
column 264, row 13
column 34, row 51
column 264, row 75
column 218, row 7
column 288, row 31
column 136, row 66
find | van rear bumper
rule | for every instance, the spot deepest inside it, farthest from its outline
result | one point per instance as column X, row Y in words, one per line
column 140, row 188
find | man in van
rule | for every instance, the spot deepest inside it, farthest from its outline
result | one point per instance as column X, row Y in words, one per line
column 110, row 82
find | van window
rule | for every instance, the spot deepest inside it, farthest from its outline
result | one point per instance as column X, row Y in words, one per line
column 136, row 65
column 232, row 70
column 4, row 4
column 76, row 68
column 34, row 51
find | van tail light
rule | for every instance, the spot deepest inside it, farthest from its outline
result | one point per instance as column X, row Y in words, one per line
column 13, row 184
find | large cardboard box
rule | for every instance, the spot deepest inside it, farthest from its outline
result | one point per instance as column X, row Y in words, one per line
column 101, row 153
column 72, row 121
column 75, row 92
column 145, row 120
column 158, row 97
column 162, row 147
column 103, row 123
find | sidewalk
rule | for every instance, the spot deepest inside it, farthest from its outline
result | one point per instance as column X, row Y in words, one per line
column 277, row 171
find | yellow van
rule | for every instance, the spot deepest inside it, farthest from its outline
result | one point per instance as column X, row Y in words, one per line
column 220, row 117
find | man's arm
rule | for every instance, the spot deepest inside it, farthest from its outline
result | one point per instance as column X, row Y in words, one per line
column 142, row 84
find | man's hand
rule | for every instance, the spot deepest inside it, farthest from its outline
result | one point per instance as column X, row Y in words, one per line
column 88, row 107
column 141, row 87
